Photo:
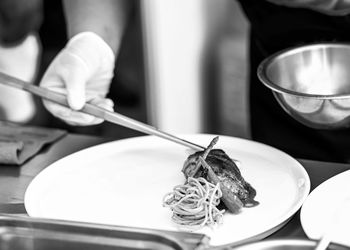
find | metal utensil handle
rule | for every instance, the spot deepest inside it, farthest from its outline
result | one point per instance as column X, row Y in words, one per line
column 95, row 111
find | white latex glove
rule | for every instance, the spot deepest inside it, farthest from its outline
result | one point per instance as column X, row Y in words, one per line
column 20, row 61
column 82, row 71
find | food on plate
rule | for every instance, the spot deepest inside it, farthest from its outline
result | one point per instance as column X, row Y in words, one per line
column 211, row 176
column 237, row 192
column 230, row 200
column 194, row 204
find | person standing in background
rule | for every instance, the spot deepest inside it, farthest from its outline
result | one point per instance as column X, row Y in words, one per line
column 84, row 68
column 19, row 55
column 274, row 26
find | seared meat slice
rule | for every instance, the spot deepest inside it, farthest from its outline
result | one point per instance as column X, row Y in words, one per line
column 227, row 172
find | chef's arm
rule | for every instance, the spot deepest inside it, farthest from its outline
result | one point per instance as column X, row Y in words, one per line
column 84, row 68
column 106, row 18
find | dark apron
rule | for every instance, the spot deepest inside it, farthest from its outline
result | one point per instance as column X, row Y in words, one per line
column 274, row 28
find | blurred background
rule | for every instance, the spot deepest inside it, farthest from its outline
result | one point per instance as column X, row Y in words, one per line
column 181, row 67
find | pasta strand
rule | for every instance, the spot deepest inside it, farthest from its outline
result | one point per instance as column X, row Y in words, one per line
column 194, row 204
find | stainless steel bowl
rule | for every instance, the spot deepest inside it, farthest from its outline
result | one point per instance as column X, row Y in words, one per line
column 285, row 244
column 311, row 83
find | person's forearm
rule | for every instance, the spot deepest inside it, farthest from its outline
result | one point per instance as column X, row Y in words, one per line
column 106, row 18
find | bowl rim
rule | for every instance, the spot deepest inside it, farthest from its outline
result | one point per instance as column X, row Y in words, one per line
column 262, row 70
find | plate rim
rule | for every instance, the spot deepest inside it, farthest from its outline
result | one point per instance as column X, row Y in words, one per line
column 316, row 191
column 274, row 226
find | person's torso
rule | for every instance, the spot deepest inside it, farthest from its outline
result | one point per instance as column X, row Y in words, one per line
column 274, row 27
column 278, row 24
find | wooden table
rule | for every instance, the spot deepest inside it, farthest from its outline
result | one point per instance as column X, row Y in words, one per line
column 14, row 180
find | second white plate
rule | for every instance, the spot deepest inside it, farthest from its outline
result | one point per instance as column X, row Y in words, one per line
column 322, row 210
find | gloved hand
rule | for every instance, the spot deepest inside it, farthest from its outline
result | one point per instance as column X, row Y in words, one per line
column 82, row 71
column 21, row 61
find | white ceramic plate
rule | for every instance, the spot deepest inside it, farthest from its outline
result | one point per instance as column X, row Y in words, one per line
column 328, row 206
column 124, row 182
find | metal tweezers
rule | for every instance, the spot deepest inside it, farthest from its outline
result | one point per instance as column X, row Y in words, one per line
column 96, row 111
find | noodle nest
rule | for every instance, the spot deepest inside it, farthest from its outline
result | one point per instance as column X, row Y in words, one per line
column 194, row 204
